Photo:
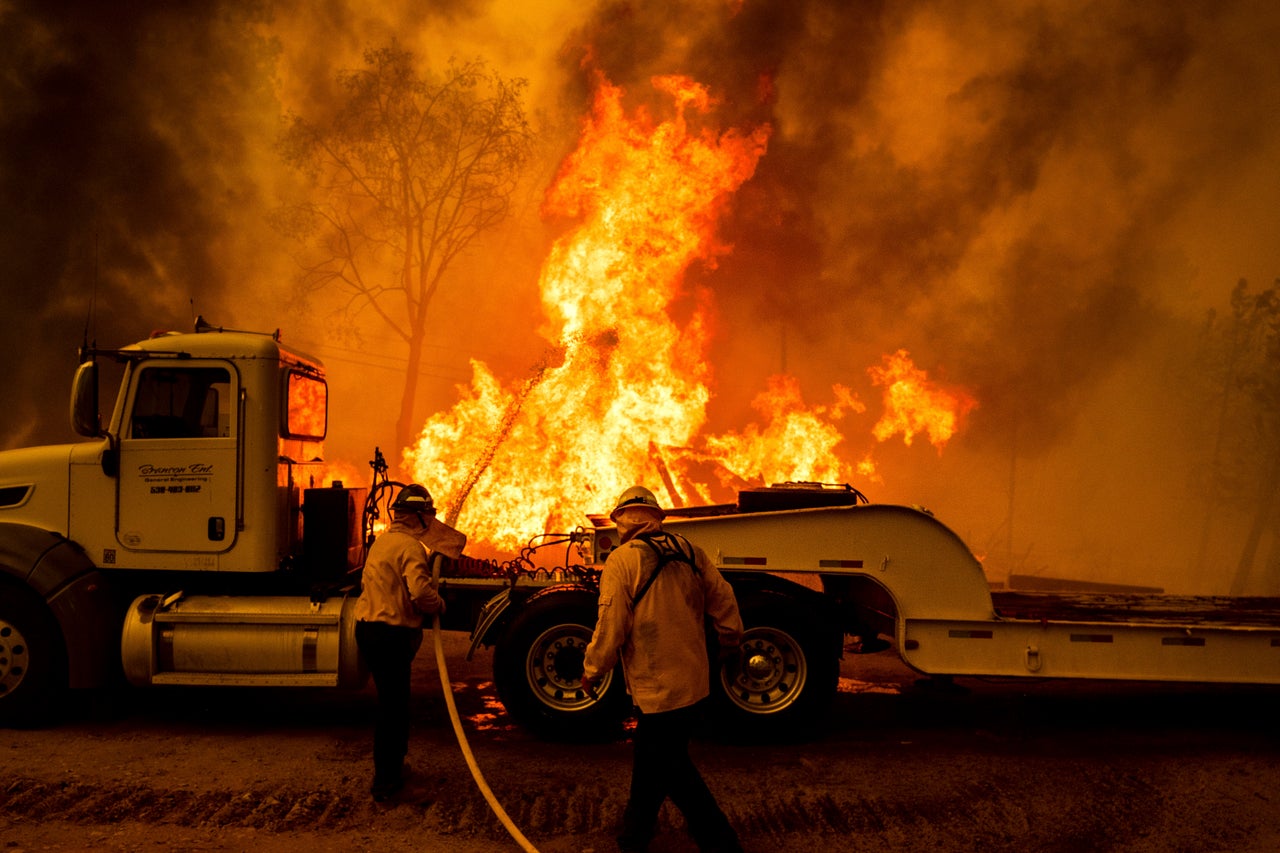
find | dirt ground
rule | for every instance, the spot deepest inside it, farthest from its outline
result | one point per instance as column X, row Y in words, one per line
column 990, row 767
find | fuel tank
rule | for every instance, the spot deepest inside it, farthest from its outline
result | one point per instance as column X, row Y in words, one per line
column 229, row 640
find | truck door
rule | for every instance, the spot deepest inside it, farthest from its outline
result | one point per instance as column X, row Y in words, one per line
column 178, row 459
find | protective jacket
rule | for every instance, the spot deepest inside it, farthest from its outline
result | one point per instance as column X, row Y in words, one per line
column 662, row 640
column 396, row 584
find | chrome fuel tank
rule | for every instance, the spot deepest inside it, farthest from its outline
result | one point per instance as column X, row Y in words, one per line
column 228, row 640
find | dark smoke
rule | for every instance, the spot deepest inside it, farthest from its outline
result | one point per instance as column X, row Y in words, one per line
column 836, row 232
column 1035, row 199
column 109, row 108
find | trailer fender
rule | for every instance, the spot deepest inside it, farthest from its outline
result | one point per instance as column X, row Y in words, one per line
column 75, row 595
column 825, row 616
column 927, row 569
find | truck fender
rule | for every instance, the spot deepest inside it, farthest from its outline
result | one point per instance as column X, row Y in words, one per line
column 498, row 611
column 76, row 593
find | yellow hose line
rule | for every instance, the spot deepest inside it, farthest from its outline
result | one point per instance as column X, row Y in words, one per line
column 466, row 747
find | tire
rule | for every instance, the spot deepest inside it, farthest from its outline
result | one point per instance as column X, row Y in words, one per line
column 537, row 669
column 787, row 675
column 33, row 670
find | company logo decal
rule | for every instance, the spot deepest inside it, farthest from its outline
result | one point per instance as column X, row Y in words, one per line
column 175, row 479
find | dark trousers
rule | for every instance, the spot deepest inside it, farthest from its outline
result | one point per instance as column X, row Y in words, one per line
column 388, row 651
column 662, row 768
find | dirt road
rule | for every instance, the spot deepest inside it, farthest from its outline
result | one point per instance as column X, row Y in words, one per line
column 1048, row 767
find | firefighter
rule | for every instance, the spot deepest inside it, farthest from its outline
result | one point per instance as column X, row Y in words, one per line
column 658, row 592
column 396, row 593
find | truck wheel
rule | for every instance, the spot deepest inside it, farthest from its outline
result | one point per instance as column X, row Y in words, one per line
column 537, row 669
column 787, row 674
column 32, row 662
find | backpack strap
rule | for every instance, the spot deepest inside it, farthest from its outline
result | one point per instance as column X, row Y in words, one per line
column 670, row 548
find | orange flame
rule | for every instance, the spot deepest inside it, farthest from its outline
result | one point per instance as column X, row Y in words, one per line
column 621, row 398
column 647, row 195
column 798, row 443
column 913, row 404
column 308, row 406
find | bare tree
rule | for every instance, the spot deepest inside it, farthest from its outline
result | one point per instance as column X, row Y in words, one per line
column 1260, row 383
column 406, row 174
column 1243, row 471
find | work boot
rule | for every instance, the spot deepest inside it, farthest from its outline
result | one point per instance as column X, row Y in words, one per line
column 627, row 845
column 384, row 789
column 728, row 846
column 724, row 842
column 632, row 842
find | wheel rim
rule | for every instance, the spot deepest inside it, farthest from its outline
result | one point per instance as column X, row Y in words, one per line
column 773, row 673
column 554, row 668
column 14, row 658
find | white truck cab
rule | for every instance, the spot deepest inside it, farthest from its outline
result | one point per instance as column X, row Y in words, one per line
column 194, row 487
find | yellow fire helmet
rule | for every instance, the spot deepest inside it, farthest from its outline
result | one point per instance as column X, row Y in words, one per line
column 637, row 496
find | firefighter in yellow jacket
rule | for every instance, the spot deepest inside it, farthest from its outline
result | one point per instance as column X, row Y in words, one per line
column 657, row 593
column 396, row 593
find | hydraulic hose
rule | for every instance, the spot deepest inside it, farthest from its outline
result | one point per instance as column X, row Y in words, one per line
column 498, row 810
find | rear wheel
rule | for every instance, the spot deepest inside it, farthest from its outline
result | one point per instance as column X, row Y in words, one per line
column 787, row 673
column 537, row 669
column 32, row 661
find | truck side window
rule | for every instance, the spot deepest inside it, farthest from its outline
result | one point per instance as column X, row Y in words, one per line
column 190, row 402
column 307, row 406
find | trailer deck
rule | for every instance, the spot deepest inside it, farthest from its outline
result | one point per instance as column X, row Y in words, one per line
column 1149, row 608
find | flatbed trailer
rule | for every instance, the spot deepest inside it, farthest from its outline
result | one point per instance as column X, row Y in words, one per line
column 820, row 574
column 910, row 577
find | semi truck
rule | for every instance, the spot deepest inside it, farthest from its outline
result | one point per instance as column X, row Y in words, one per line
column 190, row 539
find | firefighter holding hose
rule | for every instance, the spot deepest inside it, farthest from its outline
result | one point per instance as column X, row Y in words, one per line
column 658, row 591
column 397, row 591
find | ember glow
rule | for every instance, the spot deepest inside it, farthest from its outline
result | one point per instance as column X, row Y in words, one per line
column 622, row 395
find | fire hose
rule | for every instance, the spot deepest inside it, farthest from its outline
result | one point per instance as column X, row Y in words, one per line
column 443, row 668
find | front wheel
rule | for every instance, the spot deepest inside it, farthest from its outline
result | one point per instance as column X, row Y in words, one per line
column 787, row 673
column 537, row 669
column 32, row 668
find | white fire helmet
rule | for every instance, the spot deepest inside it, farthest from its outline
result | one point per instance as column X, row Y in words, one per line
column 637, row 496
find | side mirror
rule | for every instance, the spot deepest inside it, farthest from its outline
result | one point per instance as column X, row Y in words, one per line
column 84, row 401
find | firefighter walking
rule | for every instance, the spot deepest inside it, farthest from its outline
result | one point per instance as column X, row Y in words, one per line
column 658, row 591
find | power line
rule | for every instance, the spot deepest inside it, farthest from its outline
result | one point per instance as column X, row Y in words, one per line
column 397, row 363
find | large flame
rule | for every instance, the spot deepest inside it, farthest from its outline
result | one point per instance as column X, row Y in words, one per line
column 629, row 381
column 621, row 397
